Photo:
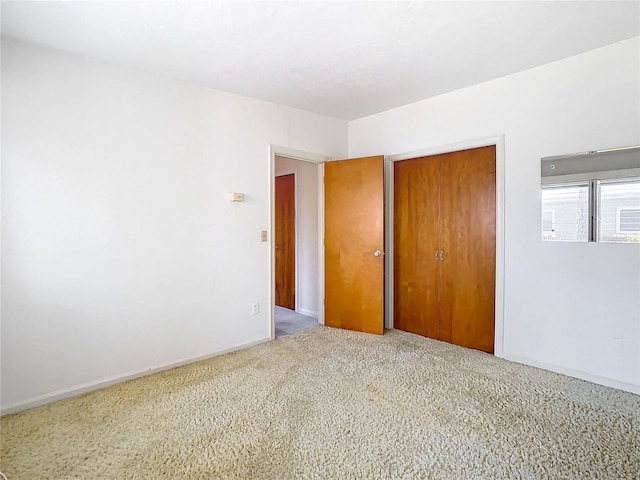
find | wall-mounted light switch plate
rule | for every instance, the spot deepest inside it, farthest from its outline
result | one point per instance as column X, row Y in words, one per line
column 236, row 197
column 263, row 236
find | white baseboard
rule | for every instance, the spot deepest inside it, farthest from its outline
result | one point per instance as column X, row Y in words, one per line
column 308, row 313
column 589, row 377
column 88, row 387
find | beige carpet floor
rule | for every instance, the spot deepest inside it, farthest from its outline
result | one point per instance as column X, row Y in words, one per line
column 334, row 404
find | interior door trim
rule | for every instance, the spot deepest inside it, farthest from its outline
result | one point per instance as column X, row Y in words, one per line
column 305, row 157
column 498, row 141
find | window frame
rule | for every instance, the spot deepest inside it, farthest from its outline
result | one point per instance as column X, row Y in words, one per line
column 593, row 168
column 597, row 184
column 594, row 213
column 570, row 184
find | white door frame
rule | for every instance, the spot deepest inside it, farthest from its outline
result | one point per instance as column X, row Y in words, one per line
column 305, row 157
column 498, row 141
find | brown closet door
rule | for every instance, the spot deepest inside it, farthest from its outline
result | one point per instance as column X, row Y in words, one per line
column 468, row 239
column 416, row 238
column 285, row 241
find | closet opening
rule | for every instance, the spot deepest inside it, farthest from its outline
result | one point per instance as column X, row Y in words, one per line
column 446, row 238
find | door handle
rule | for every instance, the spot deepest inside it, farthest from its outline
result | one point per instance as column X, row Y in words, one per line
column 377, row 253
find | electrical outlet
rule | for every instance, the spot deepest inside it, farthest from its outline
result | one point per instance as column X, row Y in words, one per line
column 616, row 340
column 255, row 308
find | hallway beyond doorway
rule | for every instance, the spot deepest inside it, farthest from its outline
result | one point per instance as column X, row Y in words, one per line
column 289, row 322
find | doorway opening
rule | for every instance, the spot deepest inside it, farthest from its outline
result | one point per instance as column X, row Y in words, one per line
column 297, row 257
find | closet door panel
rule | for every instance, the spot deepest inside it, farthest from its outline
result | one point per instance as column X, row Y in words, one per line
column 416, row 239
column 468, row 240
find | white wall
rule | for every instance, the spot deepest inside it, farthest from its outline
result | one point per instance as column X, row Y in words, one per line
column 121, row 251
column 307, row 232
column 563, row 302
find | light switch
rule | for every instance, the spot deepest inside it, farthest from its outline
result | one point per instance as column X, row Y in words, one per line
column 236, row 197
column 263, row 235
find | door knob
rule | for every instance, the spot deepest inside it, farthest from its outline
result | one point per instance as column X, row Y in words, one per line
column 377, row 253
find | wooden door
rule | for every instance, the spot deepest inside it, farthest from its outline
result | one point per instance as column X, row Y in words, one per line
column 416, row 239
column 446, row 203
column 468, row 240
column 285, row 236
column 354, row 231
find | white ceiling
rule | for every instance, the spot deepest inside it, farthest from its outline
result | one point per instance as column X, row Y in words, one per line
column 344, row 59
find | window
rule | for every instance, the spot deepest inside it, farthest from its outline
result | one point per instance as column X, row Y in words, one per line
column 565, row 213
column 592, row 196
column 619, row 211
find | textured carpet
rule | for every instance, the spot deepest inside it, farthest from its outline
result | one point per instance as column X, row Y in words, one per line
column 334, row 404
